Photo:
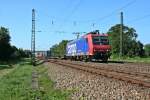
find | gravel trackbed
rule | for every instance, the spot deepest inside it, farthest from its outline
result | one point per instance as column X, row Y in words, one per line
column 86, row 86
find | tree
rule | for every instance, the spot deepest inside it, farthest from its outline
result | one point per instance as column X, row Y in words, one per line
column 54, row 51
column 4, row 35
column 19, row 53
column 131, row 47
column 140, row 49
column 62, row 47
column 59, row 49
column 7, row 51
column 136, row 49
column 5, row 47
column 147, row 49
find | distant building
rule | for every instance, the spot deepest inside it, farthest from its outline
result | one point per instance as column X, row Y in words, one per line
column 42, row 54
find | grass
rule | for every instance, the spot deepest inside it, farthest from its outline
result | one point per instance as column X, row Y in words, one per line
column 16, row 85
column 138, row 59
column 6, row 67
column 131, row 59
column 46, row 87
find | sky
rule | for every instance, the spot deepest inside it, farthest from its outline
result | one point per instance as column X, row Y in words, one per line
column 57, row 20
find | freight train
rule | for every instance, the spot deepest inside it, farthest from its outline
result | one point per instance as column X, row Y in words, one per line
column 92, row 45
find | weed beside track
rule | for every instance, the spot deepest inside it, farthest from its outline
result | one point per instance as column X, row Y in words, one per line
column 17, row 84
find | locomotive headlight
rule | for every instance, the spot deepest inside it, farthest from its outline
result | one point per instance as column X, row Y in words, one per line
column 108, row 50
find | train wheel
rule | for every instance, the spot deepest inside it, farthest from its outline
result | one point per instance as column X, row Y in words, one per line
column 89, row 58
column 105, row 59
column 84, row 58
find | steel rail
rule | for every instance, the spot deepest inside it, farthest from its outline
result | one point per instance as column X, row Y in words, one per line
column 141, row 80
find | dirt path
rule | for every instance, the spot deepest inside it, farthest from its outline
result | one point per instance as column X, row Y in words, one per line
column 34, row 83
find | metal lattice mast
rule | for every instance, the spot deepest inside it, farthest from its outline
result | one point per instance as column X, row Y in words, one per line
column 121, row 35
column 33, row 37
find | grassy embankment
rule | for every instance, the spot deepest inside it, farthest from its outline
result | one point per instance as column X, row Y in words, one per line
column 133, row 59
column 16, row 84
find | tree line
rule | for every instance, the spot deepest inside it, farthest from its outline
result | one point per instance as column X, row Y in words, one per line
column 59, row 50
column 7, row 51
column 131, row 46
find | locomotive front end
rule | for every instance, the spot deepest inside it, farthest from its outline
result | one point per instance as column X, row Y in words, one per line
column 101, row 47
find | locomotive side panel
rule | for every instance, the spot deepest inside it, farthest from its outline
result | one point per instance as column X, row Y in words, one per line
column 77, row 47
column 71, row 48
column 82, row 46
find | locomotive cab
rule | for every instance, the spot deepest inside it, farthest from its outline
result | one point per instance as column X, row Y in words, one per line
column 99, row 45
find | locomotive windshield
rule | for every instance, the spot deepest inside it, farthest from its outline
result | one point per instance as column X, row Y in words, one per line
column 100, row 40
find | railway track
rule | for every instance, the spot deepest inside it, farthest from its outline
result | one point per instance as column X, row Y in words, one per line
column 141, row 79
column 116, row 70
